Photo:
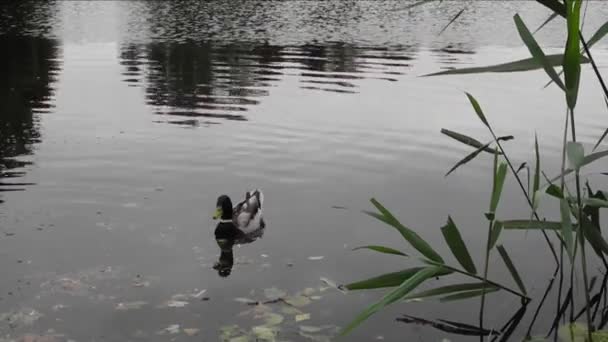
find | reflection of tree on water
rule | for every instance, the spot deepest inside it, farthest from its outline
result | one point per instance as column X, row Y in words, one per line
column 28, row 67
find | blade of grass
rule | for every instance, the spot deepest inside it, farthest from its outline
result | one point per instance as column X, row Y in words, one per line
column 572, row 66
column 496, row 229
column 478, row 109
column 567, row 228
column 531, row 224
column 536, row 51
column 549, row 19
column 381, row 249
column 600, row 140
column 499, row 182
column 457, row 246
column 598, row 35
column 511, row 267
column 398, row 293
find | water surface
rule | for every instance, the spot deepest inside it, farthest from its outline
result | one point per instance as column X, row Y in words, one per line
column 121, row 122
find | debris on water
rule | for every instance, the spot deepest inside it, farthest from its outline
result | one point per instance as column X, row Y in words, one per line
column 59, row 307
column 191, row 331
column 273, row 319
column 264, row 255
column 273, row 293
column 159, row 188
column 315, row 297
column 316, row 258
column 38, row 338
column 23, row 317
column 245, row 300
column 172, row 329
column 198, row 294
column 175, row 304
column 289, row 264
column 141, row 284
column 309, row 291
column 332, row 284
column 290, row 310
column 310, row 329
column 302, row 317
column 130, row 205
column 231, row 333
column 130, row 305
column 9, row 234
column 243, row 338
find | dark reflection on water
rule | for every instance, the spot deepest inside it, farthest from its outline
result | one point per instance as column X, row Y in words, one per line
column 28, row 67
column 27, row 17
column 211, row 81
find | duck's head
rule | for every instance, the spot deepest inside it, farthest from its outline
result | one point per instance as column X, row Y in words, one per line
column 223, row 208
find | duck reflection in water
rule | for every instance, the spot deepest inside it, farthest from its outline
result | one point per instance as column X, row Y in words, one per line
column 240, row 224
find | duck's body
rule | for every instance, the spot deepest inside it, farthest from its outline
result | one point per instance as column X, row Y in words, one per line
column 244, row 221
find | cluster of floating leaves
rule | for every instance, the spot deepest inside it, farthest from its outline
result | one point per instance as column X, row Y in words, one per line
column 279, row 316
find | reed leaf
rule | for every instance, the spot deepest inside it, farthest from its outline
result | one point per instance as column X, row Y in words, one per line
column 531, row 224
column 478, row 110
column 588, row 159
column 527, row 64
column 511, row 267
column 409, row 235
column 572, row 66
column 554, row 191
column 596, row 202
column 499, row 181
column 567, row 228
column 381, row 249
column 597, row 144
column 549, row 19
column 451, row 21
column 593, row 234
column 536, row 180
column 385, row 280
column 457, row 246
column 468, row 158
column 495, row 233
column 598, row 35
column 467, row 140
column 443, row 290
column 576, row 154
column 406, row 287
column 536, row 51
column 554, row 5
column 468, row 294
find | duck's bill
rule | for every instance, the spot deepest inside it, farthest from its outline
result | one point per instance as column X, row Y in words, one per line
column 217, row 214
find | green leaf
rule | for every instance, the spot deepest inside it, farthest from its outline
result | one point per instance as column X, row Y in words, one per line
column 526, row 64
column 554, row 191
column 567, row 228
column 598, row 35
column 536, row 51
column 447, row 289
column 593, row 234
column 588, row 159
column 386, row 280
column 596, row 202
column 468, row 294
column 409, row 235
column 468, row 158
column 457, row 246
column 499, row 181
column 536, row 181
column 495, row 233
column 572, row 66
column 600, row 140
column 549, row 19
column 478, row 109
column 576, row 154
column 451, row 21
column 381, row 249
column 398, row 293
column 511, row 267
column 531, row 224
column 469, row 141
column 555, row 6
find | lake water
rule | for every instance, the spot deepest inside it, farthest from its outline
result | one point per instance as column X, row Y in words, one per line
column 122, row 122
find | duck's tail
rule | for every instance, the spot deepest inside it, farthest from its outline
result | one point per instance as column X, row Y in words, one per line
column 257, row 193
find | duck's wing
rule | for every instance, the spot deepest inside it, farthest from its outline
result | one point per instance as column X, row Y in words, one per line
column 248, row 213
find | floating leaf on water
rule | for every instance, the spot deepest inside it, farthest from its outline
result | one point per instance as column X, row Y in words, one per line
column 290, row 310
column 298, row 301
column 264, row 333
column 315, row 258
column 309, row 291
column 172, row 329
column 23, row 317
column 176, row 304
column 199, row 294
column 273, row 319
column 315, row 338
column 141, row 284
column 315, row 297
column 273, row 293
column 243, row 338
column 310, row 329
column 302, row 317
column 332, row 284
column 130, row 205
column 228, row 331
column 191, row 331
column 130, row 305
column 245, row 300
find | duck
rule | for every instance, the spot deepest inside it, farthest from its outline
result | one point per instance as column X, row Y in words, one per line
column 242, row 221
